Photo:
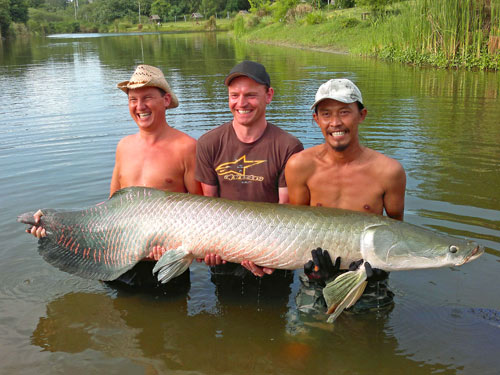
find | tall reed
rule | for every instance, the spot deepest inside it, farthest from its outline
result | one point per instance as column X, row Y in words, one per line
column 445, row 32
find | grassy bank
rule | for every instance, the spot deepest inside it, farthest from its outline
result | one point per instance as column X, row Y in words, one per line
column 221, row 24
column 119, row 26
column 453, row 33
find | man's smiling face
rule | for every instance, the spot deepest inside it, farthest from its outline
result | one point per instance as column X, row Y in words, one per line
column 147, row 106
column 248, row 100
column 339, row 122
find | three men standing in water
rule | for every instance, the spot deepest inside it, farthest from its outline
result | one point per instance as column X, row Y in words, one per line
column 245, row 159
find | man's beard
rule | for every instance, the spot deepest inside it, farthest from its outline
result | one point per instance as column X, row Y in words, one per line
column 340, row 148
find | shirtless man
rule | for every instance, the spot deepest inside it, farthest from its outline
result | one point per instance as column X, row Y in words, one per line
column 158, row 156
column 341, row 172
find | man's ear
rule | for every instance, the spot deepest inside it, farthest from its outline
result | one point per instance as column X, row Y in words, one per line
column 269, row 95
column 315, row 117
column 364, row 112
column 168, row 99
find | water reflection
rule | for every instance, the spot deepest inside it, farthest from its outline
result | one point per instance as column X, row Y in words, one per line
column 157, row 332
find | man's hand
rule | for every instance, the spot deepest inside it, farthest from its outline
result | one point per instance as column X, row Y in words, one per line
column 156, row 254
column 321, row 268
column 36, row 230
column 256, row 270
column 211, row 260
column 372, row 274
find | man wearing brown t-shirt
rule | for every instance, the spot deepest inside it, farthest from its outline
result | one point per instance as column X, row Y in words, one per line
column 245, row 158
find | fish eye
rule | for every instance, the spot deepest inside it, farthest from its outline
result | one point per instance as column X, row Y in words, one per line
column 453, row 249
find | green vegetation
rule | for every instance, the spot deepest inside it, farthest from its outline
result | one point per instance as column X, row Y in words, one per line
column 43, row 17
column 448, row 33
column 451, row 33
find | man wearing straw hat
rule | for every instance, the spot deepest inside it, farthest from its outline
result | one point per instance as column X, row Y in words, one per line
column 157, row 156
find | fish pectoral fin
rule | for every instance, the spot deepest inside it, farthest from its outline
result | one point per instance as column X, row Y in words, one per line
column 172, row 264
column 344, row 291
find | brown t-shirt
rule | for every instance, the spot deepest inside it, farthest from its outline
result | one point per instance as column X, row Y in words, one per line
column 245, row 171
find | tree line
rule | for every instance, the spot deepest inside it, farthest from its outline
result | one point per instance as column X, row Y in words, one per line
column 48, row 16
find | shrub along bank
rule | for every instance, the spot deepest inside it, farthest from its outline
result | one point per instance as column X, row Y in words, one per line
column 450, row 34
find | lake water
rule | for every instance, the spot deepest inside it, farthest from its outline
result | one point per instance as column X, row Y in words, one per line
column 61, row 118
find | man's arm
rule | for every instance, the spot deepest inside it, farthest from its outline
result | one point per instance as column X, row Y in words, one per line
column 296, row 175
column 115, row 178
column 210, row 190
column 283, row 195
column 115, row 181
column 394, row 196
column 192, row 186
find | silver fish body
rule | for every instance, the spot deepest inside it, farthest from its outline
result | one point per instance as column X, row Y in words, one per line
column 104, row 241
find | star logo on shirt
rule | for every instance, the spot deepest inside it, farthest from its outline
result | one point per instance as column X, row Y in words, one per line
column 237, row 167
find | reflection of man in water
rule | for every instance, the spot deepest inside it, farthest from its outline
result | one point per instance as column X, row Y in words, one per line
column 244, row 159
column 158, row 156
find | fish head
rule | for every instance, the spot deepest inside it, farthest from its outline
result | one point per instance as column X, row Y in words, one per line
column 401, row 246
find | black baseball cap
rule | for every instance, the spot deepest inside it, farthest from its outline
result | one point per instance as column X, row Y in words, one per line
column 250, row 69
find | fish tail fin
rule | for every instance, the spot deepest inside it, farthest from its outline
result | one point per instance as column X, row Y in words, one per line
column 27, row 218
column 172, row 264
column 344, row 291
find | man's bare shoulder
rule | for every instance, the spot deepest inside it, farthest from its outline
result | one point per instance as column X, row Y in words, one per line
column 181, row 141
column 302, row 165
column 304, row 159
column 385, row 166
column 127, row 142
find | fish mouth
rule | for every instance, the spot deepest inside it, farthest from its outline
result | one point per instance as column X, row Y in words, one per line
column 475, row 253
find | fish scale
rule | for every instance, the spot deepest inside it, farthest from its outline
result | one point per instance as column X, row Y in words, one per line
column 112, row 237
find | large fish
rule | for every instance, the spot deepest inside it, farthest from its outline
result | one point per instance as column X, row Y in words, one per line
column 104, row 241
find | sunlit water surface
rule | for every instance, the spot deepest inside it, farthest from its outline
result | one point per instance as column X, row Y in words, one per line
column 61, row 118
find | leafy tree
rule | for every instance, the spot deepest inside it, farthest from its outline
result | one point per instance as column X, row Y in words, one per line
column 35, row 3
column 19, row 11
column 55, row 4
column 210, row 7
column 145, row 7
column 110, row 10
column 190, row 6
column 5, row 19
column 161, row 8
column 235, row 5
column 255, row 5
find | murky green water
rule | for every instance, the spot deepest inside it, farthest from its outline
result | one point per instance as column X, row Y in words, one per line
column 61, row 117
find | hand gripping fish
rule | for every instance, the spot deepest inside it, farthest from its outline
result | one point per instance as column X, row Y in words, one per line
column 104, row 241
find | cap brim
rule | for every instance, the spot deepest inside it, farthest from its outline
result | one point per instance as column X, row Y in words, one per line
column 337, row 99
column 232, row 76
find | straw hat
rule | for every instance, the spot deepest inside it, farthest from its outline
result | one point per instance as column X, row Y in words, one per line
column 147, row 75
